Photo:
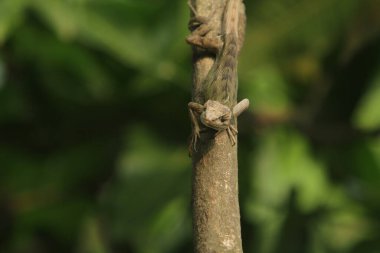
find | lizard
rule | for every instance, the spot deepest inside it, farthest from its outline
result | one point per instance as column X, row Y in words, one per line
column 216, row 107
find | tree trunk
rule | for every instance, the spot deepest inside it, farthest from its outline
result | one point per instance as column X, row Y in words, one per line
column 216, row 215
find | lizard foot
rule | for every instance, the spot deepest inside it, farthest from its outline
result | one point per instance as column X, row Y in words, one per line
column 194, row 110
column 231, row 132
column 203, row 33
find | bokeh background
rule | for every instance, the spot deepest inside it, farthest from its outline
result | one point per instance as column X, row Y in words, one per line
column 94, row 126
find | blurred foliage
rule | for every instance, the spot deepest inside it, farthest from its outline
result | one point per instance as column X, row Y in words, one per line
column 94, row 126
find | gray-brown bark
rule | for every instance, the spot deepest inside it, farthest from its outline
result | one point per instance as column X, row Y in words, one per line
column 216, row 215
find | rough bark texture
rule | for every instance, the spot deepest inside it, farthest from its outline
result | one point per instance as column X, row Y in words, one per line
column 216, row 215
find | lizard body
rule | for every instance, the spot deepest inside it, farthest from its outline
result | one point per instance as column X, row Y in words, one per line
column 221, row 82
column 217, row 107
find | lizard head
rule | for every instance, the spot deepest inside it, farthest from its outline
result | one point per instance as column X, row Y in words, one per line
column 216, row 115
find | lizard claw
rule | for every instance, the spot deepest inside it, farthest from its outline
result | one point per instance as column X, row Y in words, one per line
column 193, row 142
column 231, row 132
column 196, row 136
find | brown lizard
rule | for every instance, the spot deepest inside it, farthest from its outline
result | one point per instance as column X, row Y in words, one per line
column 216, row 106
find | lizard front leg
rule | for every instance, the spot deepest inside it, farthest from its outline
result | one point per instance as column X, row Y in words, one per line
column 194, row 108
column 232, row 133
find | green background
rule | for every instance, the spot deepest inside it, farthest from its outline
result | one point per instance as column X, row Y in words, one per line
column 94, row 126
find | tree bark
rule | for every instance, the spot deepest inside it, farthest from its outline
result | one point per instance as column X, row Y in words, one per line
column 216, row 215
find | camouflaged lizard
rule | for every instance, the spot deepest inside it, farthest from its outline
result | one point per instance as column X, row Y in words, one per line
column 216, row 107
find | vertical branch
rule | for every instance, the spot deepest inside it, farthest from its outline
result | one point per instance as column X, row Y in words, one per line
column 216, row 215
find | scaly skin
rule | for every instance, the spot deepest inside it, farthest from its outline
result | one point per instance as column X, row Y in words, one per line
column 219, row 89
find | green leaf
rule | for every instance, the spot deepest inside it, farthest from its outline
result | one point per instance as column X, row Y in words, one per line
column 11, row 13
column 92, row 239
column 285, row 161
column 367, row 114
column 267, row 89
column 75, row 21
column 148, row 203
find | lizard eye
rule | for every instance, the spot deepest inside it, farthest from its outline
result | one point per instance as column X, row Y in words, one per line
column 225, row 117
column 193, row 25
column 196, row 22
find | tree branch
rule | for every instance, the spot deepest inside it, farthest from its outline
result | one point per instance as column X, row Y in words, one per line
column 216, row 215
